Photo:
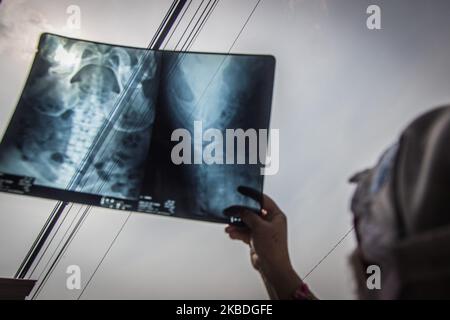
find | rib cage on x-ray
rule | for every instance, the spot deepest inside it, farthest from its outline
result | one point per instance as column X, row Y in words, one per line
column 94, row 124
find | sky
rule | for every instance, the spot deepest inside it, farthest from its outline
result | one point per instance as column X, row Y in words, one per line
column 343, row 94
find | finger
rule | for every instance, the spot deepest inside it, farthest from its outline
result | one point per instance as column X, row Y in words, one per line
column 251, row 193
column 255, row 260
column 241, row 235
column 251, row 219
column 234, row 211
column 266, row 202
column 269, row 205
column 231, row 228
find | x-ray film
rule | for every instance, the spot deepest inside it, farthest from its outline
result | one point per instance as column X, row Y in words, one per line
column 98, row 124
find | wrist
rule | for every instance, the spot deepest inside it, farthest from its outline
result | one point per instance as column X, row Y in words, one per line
column 283, row 279
column 274, row 268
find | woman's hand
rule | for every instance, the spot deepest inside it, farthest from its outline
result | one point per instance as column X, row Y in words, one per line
column 266, row 234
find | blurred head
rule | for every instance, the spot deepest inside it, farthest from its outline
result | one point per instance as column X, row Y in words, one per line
column 402, row 214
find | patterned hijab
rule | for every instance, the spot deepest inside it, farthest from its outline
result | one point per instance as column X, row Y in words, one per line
column 402, row 214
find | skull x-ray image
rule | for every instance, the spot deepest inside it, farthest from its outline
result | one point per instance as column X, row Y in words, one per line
column 94, row 125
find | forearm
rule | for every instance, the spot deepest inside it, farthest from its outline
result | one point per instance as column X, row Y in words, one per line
column 281, row 282
column 284, row 283
column 270, row 289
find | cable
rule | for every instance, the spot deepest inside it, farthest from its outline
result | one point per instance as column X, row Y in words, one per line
column 167, row 22
column 189, row 42
column 113, row 136
column 61, row 240
column 189, row 24
column 119, row 104
column 50, row 241
column 176, row 27
column 182, row 53
column 202, row 24
column 104, row 256
column 54, row 216
column 33, row 246
column 40, row 241
column 129, row 214
column 329, row 252
column 61, row 253
column 196, row 24
column 143, row 117
column 223, row 60
column 157, row 40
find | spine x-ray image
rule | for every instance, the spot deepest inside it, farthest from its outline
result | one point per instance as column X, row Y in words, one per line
column 94, row 125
